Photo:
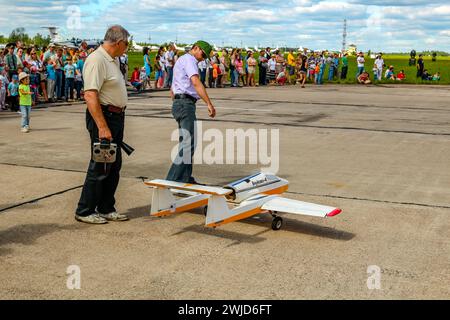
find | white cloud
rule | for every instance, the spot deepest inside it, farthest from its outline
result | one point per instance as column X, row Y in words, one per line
column 377, row 24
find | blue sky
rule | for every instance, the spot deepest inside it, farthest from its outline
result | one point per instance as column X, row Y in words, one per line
column 379, row 25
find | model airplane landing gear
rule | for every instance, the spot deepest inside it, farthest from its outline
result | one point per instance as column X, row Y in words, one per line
column 277, row 222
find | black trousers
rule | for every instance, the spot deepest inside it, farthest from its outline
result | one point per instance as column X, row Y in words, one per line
column 344, row 72
column 262, row 76
column 100, row 184
column 210, row 78
column 13, row 103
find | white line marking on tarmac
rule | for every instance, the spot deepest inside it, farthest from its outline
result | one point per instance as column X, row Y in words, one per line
column 168, row 106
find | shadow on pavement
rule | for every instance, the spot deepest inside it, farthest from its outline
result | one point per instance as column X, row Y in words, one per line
column 27, row 234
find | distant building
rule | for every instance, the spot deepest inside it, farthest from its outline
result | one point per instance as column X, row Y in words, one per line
column 352, row 50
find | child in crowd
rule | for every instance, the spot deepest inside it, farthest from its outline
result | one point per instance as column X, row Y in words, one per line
column 158, row 73
column 51, row 80
column 364, row 78
column 13, row 94
column 375, row 73
column 25, row 100
column 390, row 75
column 215, row 75
column 401, row 75
column 144, row 78
column 34, row 84
column 135, row 80
column 426, row 75
column 281, row 77
column 437, row 76
column 316, row 73
column 69, row 72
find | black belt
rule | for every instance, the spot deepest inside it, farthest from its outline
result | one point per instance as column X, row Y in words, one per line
column 185, row 96
column 113, row 109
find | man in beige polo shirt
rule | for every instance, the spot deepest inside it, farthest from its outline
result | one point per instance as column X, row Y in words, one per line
column 106, row 98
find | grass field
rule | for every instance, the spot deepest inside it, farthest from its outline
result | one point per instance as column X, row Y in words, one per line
column 400, row 62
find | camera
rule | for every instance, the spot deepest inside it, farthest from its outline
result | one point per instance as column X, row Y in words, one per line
column 104, row 151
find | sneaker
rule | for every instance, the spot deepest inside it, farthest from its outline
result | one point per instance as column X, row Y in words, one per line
column 92, row 219
column 113, row 216
column 24, row 130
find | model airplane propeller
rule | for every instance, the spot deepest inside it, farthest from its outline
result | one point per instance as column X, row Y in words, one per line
column 255, row 194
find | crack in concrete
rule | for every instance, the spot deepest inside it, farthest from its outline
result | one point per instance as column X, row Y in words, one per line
column 296, row 125
column 40, row 198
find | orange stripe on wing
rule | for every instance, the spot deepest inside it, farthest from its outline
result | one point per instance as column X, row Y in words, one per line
column 279, row 190
column 240, row 216
column 184, row 208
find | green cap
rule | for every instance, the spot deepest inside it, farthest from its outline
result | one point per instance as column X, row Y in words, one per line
column 205, row 46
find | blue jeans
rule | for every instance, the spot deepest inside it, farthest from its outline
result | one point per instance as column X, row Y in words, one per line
column 236, row 78
column 70, row 84
column 168, row 79
column 137, row 85
column 25, row 115
column 183, row 111
column 78, row 87
column 58, row 85
column 320, row 76
column 331, row 74
column 360, row 71
column 203, row 77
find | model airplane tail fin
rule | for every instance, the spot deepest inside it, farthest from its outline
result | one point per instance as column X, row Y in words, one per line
column 164, row 202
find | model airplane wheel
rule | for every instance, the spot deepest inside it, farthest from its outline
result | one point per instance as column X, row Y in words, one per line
column 205, row 210
column 277, row 223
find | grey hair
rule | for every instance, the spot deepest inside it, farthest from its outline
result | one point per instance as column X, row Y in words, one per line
column 116, row 33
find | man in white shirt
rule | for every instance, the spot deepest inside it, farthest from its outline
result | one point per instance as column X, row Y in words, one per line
column 168, row 58
column 379, row 64
column 360, row 60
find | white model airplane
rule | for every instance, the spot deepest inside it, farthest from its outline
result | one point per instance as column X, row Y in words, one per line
column 255, row 194
column 274, row 50
column 136, row 47
column 57, row 40
column 183, row 49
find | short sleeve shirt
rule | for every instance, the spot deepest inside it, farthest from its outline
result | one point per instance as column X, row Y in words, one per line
column 168, row 56
column 379, row 63
column 25, row 99
column 291, row 59
column 102, row 73
column 13, row 89
column 69, row 71
column 185, row 68
column 345, row 61
column 360, row 61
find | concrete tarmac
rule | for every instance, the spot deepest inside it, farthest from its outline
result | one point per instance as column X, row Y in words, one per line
column 381, row 153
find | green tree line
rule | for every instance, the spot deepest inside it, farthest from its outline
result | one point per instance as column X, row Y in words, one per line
column 19, row 34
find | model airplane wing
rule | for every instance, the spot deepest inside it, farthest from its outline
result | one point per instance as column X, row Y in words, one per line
column 217, row 191
column 280, row 204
